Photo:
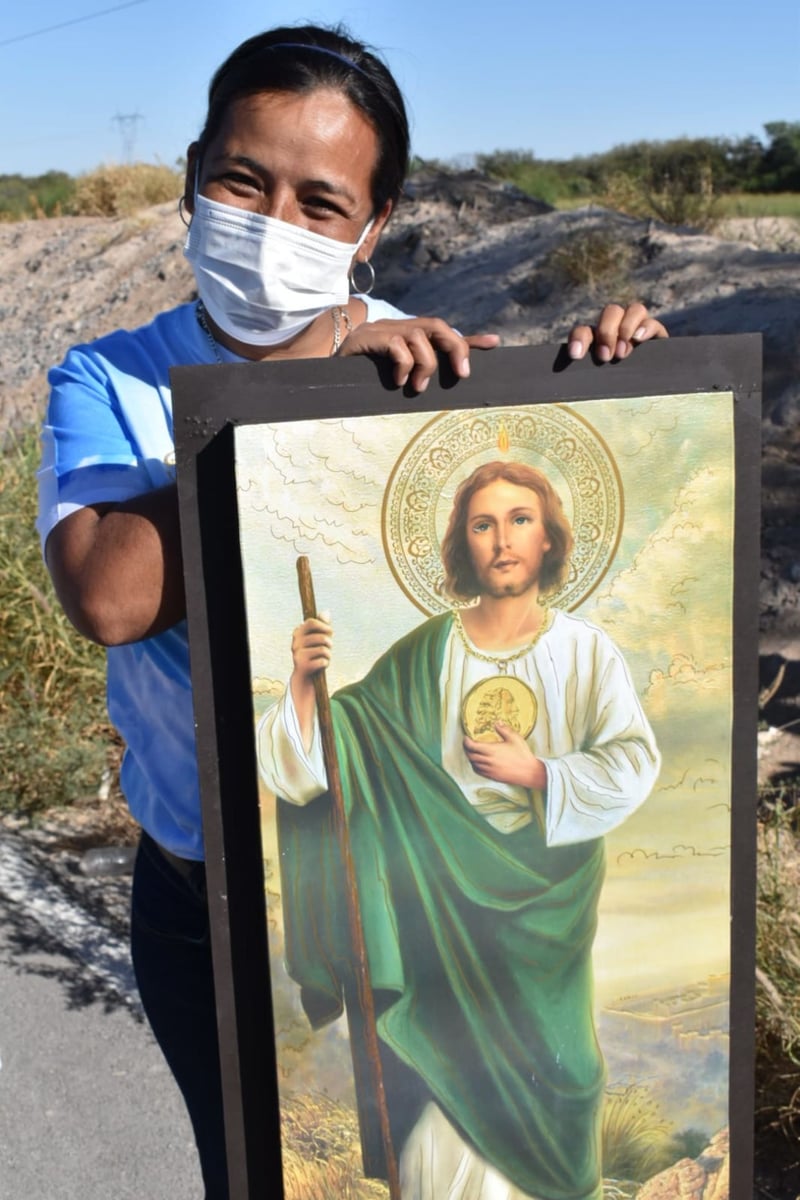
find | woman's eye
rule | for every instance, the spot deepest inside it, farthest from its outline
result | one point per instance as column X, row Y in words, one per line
column 240, row 180
column 481, row 527
column 322, row 204
column 522, row 520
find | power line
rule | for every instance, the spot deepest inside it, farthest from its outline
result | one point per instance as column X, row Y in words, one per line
column 74, row 21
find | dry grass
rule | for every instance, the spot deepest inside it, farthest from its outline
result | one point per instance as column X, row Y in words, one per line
column 594, row 259
column 58, row 744
column 778, row 974
column 121, row 191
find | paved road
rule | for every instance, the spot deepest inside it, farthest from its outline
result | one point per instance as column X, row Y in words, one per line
column 88, row 1109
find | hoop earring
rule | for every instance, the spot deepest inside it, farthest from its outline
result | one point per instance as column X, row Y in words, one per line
column 362, row 291
column 182, row 212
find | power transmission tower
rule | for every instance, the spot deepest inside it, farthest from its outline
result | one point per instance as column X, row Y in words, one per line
column 127, row 123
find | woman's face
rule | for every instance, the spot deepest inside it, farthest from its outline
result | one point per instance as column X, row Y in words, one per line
column 306, row 159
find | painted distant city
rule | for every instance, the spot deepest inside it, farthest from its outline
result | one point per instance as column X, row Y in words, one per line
column 676, row 1043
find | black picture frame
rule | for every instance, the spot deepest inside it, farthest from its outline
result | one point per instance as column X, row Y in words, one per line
column 209, row 404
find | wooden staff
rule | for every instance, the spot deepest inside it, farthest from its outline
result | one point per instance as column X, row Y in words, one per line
column 359, row 1000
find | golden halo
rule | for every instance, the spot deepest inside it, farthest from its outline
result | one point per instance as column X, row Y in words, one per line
column 419, row 493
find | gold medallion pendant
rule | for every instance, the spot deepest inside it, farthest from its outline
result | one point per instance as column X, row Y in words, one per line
column 499, row 698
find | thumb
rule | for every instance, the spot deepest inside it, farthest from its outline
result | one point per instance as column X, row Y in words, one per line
column 506, row 732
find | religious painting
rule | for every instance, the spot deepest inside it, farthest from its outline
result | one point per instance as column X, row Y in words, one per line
column 495, row 653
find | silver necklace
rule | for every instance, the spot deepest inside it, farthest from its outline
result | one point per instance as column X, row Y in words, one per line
column 338, row 314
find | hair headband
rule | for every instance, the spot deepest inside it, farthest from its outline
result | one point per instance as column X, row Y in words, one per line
column 320, row 50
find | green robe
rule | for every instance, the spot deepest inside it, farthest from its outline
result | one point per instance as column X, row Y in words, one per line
column 483, row 938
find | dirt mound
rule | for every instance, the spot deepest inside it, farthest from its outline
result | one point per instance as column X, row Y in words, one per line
column 71, row 279
column 486, row 257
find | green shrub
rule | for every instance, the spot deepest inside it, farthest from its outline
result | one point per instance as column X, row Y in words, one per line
column 554, row 182
column 58, row 744
column 47, row 195
column 682, row 199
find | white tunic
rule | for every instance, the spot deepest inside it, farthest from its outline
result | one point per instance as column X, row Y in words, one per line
column 601, row 762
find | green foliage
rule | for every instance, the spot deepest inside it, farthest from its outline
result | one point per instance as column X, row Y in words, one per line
column 109, row 191
column 46, row 195
column 781, row 167
column 678, row 181
column 56, row 737
column 689, row 1143
column 695, row 161
column 674, row 199
column 551, row 181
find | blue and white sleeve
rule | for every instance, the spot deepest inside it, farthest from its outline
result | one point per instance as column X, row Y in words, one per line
column 88, row 455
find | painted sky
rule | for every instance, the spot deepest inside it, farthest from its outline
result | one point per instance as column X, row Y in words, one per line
column 316, row 488
column 558, row 81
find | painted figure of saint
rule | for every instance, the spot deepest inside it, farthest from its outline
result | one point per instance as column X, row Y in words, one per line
column 483, row 758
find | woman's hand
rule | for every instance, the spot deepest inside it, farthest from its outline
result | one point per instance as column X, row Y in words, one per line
column 616, row 334
column 312, row 646
column 413, row 345
column 508, row 761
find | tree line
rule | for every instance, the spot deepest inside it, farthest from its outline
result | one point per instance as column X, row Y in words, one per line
column 694, row 165
column 722, row 165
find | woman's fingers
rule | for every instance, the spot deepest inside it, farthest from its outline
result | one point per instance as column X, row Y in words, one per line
column 414, row 346
column 619, row 329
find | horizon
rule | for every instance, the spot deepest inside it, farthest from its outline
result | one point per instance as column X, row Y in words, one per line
column 462, row 162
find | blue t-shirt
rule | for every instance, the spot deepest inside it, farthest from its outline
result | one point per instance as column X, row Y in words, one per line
column 108, row 437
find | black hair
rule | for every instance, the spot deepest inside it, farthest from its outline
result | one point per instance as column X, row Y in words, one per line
column 304, row 57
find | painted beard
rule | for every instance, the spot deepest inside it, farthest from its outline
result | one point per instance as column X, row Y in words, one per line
column 497, row 589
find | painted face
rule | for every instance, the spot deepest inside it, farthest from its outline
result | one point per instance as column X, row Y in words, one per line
column 307, row 159
column 506, row 537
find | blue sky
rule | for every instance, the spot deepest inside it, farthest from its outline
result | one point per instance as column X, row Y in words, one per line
column 510, row 74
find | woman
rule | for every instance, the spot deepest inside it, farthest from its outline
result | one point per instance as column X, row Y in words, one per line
column 289, row 186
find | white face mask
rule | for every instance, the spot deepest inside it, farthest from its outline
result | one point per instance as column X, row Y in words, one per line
column 263, row 280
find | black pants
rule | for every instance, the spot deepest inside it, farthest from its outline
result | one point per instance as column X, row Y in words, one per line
column 172, row 959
